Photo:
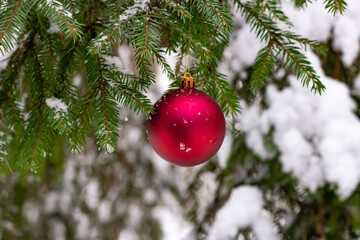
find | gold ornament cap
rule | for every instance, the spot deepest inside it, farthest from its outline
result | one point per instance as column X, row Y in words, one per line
column 187, row 81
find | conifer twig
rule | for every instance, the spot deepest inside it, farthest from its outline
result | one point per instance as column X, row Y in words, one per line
column 10, row 21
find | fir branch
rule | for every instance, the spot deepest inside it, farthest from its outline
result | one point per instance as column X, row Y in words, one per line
column 12, row 23
column 189, row 37
column 180, row 10
column 276, row 12
column 224, row 94
column 264, row 64
column 164, row 64
column 83, row 119
column 304, row 42
column 108, row 143
column 145, row 40
column 62, row 67
column 302, row 3
column 60, row 16
column 105, row 38
column 37, row 143
column 215, row 13
column 125, row 88
column 40, row 99
column 57, row 117
column 101, row 101
column 11, row 72
column 9, row 22
column 305, row 72
column 335, row 6
column 135, row 82
column 266, row 29
column 133, row 99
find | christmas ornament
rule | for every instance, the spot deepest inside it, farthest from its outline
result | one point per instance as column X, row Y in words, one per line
column 188, row 126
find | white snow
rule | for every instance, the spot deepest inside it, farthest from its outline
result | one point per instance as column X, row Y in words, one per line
column 318, row 136
column 316, row 23
column 91, row 193
column 53, row 28
column 139, row 6
column 77, row 80
column 225, row 150
column 243, row 49
column 58, row 6
column 244, row 209
column 174, row 226
column 104, row 211
column 4, row 59
column 116, row 61
column 357, row 85
column 56, row 104
column 205, row 194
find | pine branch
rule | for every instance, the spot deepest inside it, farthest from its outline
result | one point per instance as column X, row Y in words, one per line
column 215, row 13
column 145, row 40
column 131, row 80
column 180, row 10
column 126, row 89
column 83, row 119
column 165, row 65
column 11, row 73
column 305, row 72
column 31, row 144
column 275, row 12
column 266, row 29
column 224, row 94
column 105, row 38
column 39, row 97
column 57, row 117
column 60, row 16
column 36, row 147
column 302, row 3
column 264, row 64
column 12, row 23
column 132, row 99
column 106, row 138
column 189, row 37
column 66, row 64
column 335, row 6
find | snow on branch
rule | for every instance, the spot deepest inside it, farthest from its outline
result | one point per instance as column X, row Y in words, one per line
column 56, row 104
column 139, row 6
column 109, row 34
column 61, row 16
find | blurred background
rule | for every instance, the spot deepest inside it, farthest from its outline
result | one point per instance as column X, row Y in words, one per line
column 289, row 167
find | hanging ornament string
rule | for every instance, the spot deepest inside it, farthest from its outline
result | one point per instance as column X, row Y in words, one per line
column 187, row 62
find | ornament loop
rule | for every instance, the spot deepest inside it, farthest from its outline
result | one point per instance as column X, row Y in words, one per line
column 187, row 81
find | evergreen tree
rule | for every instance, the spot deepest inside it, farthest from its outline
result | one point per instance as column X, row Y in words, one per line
column 51, row 41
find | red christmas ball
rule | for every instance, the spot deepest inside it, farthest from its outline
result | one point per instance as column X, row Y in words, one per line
column 187, row 128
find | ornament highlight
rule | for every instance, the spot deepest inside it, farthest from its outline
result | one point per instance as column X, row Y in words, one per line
column 188, row 126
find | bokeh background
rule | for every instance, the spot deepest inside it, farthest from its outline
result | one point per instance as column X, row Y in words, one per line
column 289, row 167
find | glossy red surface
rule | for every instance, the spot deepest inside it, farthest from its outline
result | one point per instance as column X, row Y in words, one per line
column 188, row 127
